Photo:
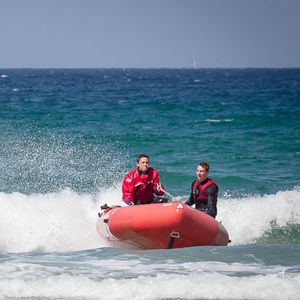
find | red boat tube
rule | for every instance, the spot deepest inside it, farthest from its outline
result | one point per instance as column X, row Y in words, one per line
column 160, row 226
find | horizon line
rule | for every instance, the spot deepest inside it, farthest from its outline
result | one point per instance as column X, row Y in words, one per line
column 140, row 68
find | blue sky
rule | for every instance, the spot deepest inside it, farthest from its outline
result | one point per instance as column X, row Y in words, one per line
column 149, row 33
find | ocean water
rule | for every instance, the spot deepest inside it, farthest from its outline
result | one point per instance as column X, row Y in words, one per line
column 68, row 137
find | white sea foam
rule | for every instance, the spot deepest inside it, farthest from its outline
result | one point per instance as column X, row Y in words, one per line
column 202, row 285
column 142, row 277
column 65, row 221
column 218, row 121
column 215, row 120
column 249, row 218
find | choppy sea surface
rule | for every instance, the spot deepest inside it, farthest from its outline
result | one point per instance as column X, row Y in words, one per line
column 68, row 137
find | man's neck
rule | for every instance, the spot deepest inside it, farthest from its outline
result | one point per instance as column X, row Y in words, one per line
column 203, row 181
column 142, row 173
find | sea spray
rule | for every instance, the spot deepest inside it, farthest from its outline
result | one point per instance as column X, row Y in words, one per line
column 39, row 161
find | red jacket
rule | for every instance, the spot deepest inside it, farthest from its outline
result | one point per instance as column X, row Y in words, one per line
column 138, row 186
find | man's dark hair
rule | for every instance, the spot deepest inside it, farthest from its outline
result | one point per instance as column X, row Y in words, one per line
column 205, row 165
column 141, row 156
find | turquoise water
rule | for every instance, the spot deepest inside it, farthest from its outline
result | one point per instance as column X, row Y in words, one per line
column 68, row 137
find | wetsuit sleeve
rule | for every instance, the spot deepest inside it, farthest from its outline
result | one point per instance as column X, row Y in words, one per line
column 155, row 183
column 128, row 189
column 212, row 193
column 191, row 200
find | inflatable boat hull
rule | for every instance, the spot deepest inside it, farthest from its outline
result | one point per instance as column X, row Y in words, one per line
column 160, row 226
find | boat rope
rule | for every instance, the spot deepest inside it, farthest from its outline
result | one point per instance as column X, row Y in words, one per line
column 168, row 194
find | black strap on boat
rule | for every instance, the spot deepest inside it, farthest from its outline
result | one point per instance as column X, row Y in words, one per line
column 171, row 241
column 174, row 235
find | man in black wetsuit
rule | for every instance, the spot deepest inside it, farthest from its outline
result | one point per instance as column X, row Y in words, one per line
column 204, row 191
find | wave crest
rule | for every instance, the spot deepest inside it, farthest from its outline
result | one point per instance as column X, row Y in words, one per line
column 65, row 221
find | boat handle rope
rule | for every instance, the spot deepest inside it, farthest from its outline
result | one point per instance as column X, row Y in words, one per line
column 168, row 194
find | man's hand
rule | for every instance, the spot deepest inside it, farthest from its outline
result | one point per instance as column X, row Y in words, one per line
column 159, row 187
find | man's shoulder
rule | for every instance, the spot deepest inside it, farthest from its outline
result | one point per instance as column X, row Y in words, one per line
column 194, row 181
column 212, row 186
column 211, row 182
column 131, row 174
column 153, row 172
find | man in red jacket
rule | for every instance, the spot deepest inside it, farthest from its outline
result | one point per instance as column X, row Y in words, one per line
column 140, row 184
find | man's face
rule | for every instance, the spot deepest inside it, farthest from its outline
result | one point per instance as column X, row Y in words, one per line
column 143, row 164
column 201, row 173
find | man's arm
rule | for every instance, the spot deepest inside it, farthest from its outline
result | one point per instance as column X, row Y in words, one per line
column 156, row 183
column 212, row 193
column 128, row 190
column 191, row 200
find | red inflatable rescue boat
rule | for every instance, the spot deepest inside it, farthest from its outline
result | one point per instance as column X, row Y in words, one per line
column 160, row 226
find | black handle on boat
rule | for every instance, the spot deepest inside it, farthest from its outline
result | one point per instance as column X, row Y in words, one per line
column 105, row 206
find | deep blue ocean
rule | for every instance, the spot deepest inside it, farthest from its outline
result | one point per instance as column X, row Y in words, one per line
column 69, row 136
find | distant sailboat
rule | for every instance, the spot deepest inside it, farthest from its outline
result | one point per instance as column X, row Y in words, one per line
column 194, row 63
